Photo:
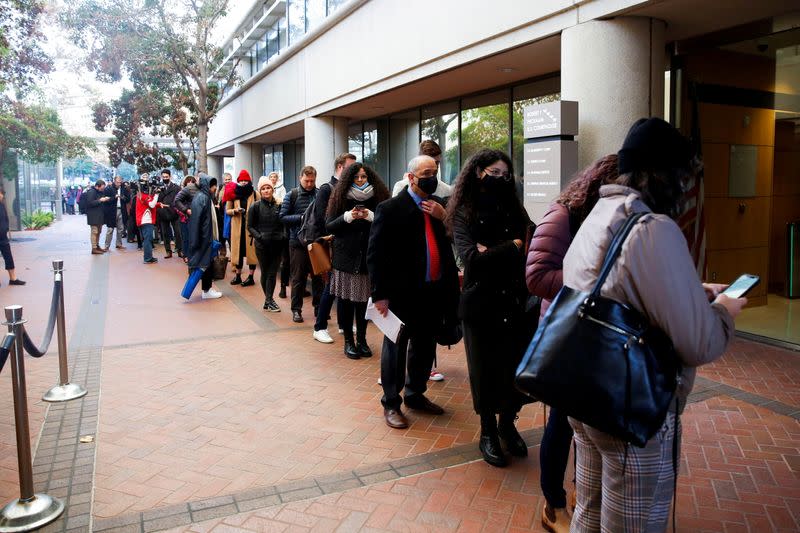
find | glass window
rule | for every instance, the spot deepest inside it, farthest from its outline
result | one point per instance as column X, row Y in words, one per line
column 355, row 140
column 273, row 41
column 283, row 32
column 297, row 20
column 261, row 53
column 315, row 13
column 376, row 145
column 484, row 124
column 404, row 143
column 269, row 160
column 333, row 5
column 440, row 124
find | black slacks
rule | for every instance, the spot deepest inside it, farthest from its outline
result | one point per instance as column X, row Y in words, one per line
column 301, row 269
column 169, row 229
column 207, row 279
column 269, row 258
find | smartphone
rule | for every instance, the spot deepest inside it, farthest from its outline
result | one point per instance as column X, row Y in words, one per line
column 359, row 207
column 741, row 286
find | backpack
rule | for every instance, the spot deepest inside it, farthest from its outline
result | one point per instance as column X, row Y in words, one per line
column 82, row 202
column 307, row 233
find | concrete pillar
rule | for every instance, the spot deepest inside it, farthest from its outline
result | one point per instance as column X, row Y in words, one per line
column 325, row 138
column 249, row 157
column 614, row 69
column 215, row 166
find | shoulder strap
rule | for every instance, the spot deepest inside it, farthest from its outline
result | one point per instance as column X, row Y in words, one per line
column 614, row 249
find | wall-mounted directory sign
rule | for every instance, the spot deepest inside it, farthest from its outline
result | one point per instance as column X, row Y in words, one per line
column 551, row 155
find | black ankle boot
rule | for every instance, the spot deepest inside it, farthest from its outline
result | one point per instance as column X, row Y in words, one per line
column 350, row 349
column 237, row 280
column 508, row 433
column 248, row 282
column 363, row 349
column 492, row 451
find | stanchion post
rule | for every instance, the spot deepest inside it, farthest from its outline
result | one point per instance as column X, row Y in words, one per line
column 64, row 390
column 31, row 510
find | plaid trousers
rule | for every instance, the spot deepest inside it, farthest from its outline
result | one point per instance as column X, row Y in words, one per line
column 613, row 501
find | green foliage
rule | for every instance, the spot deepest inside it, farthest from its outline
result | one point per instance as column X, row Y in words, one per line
column 165, row 49
column 38, row 219
column 22, row 60
column 8, row 166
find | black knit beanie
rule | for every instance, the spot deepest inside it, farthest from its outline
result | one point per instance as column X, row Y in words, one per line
column 654, row 144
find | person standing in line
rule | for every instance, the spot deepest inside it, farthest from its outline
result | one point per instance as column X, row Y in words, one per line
column 285, row 273
column 279, row 190
column 146, row 218
column 265, row 226
column 543, row 274
column 222, row 215
column 203, row 231
column 622, row 487
column 350, row 213
column 167, row 217
column 413, row 273
column 241, row 242
column 294, row 205
column 490, row 227
column 443, row 191
column 342, row 162
column 95, row 214
column 183, row 206
column 5, row 243
column 112, row 211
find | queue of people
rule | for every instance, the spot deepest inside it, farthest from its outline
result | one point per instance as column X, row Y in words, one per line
column 406, row 252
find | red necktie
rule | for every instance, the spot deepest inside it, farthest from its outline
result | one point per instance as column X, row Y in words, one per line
column 433, row 249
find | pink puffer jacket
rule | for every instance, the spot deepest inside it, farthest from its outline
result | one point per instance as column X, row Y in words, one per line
column 543, row 268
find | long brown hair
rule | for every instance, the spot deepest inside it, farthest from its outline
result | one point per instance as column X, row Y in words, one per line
column 582, row 192
column 339, row 195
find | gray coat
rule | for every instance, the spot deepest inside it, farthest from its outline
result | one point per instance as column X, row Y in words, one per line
column 655, row 275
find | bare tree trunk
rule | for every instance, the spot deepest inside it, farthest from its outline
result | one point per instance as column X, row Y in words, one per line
column 202, row 152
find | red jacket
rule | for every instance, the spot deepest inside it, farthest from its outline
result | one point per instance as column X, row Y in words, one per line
column 142, row 205
column 543, row 268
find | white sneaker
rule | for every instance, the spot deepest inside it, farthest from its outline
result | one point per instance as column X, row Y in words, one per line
column 211, row 294
column 323, row 336
column 436, row 375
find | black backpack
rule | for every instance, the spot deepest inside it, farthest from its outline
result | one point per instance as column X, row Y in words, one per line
column 307, row 232
column 83, row 201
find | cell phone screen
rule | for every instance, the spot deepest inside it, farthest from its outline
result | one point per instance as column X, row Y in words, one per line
column 741, row 286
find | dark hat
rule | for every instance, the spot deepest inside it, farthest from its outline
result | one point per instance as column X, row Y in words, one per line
column 654, row 144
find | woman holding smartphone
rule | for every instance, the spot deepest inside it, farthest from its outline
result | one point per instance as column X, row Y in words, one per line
column 241, row 242
column 351, row 210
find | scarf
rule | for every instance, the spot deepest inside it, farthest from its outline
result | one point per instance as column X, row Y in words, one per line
column 361, row 195
column 244, row 190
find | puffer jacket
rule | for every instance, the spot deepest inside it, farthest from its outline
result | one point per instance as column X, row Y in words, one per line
column 543, row 268
column 292, row 208
column 183, row 200
column 655, row 275
column 264, row 223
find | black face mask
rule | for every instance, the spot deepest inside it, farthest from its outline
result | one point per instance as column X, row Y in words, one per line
column 428, row 185
column 495, row 183
column 166, row 181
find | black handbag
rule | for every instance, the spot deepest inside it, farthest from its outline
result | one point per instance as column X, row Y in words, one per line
column 601, row 362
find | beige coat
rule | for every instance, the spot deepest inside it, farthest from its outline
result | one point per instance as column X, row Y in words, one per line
column 237, row 219
column 655, row 274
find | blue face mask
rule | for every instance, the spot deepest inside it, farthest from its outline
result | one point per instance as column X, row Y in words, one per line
column 362, row 187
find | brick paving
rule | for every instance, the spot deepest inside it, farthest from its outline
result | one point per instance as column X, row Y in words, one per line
column 217, row 416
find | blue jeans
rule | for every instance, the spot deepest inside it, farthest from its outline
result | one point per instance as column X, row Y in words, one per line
column 147, row 240
column 553, row 458
column 325, row 305
column 185, row 238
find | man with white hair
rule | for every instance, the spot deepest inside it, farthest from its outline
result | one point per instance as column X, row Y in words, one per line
column 413, row 273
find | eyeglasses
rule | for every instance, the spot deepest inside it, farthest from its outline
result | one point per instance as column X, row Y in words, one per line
column 497, row 173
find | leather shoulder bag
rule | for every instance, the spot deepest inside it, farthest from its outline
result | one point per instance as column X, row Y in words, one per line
column 601, row 362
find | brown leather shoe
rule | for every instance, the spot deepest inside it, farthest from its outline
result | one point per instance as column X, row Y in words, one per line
column 97, row 251
column 421, row 403
column 395, row 418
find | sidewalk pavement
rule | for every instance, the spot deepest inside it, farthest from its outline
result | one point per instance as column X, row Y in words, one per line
column 215, row 415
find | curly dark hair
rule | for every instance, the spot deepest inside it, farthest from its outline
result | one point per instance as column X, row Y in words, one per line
column 339, row 195
column 468, row 184
column 583, row 191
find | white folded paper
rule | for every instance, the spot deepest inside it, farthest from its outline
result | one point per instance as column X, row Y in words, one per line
column 390, row 325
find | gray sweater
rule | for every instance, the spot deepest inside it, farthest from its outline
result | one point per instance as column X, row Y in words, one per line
column 655, row 274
